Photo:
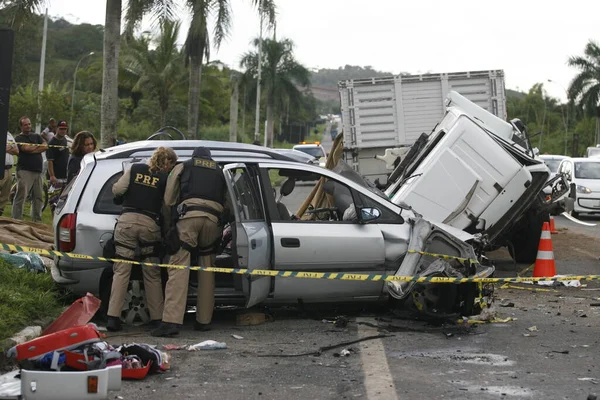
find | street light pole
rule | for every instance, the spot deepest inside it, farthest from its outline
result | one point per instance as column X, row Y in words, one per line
column 91, row 53
column 565, row 119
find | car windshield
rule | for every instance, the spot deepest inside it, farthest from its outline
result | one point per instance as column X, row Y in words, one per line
column 316, row 152
column 552, row 165
column 587, row 170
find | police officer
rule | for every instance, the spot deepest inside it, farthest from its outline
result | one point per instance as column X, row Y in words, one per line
column 198, row 188
column 137, row 234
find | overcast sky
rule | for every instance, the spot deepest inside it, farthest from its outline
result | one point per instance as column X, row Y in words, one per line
column 530, row 40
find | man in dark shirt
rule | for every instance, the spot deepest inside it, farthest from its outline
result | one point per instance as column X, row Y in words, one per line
column 58, row 157
column 29, row 171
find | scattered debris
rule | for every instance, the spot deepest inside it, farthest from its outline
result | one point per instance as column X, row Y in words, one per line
column 593, row 380
column 78, row 314
column 325, row 348
column 238, row 337
column 505, row 303
column 594, row 304
column 344, row 353
column 252, row 318
column 32, row 262
column 207, row 345
column 532, row 329
column 560, row 351
column 171, row 347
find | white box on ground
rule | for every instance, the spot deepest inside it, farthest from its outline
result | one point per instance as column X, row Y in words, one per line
column 62, row 385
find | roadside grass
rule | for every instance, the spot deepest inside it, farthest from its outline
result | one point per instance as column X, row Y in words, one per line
column 46, row 214
column 25, row 297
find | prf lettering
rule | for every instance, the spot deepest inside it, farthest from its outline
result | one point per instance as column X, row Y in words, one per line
column 201, row 162
column 146, row 180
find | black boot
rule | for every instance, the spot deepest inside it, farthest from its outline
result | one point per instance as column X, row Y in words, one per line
column 201, row 327
column 152, row 325
column 166, row 329
column 113, row 324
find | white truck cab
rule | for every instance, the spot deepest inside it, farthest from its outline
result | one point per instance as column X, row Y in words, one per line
column 475, row 172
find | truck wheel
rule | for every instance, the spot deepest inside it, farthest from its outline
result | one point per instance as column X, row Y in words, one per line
column 526, row 239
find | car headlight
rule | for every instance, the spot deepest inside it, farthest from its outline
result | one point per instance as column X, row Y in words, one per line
column 583, row 189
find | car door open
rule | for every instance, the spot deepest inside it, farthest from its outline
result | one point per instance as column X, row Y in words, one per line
column 251, row 234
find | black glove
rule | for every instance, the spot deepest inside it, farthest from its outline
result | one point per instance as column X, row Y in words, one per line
column 118, row 200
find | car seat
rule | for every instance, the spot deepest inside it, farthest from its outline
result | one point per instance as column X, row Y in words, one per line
column 287, row 188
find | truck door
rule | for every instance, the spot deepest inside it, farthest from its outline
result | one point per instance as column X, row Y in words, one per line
column 251, row 234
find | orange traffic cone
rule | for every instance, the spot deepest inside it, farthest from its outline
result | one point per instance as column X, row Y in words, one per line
column 544, row 263
column 552, row 227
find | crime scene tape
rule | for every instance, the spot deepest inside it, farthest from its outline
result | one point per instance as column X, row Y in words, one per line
column 344, row 276
column 37, row 144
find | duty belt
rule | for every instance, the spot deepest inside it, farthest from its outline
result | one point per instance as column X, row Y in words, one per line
column 182, row 209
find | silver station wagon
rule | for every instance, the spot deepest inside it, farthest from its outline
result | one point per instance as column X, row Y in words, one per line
column 360, row 231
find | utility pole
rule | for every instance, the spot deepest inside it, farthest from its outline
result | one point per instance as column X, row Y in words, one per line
column 257, row 116
column 38, row 117
column 91, row 53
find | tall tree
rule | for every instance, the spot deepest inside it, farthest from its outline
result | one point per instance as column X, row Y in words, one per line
column 585, row 87
column 197, row 44
column 156, row 71
column 281, row 76
column 110, row 74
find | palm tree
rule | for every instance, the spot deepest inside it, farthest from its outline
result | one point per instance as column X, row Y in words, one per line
column 281, row 76
column 585, row 87
column 197, row 44
column 156, row 71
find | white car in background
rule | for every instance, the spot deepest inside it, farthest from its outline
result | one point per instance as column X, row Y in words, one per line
column 583, row 176
column 552, row 161
column 314, row 149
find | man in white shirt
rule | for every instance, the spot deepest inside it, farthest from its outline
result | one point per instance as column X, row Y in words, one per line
column 6, row 182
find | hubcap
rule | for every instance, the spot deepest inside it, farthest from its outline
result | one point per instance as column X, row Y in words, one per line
column 135, row 310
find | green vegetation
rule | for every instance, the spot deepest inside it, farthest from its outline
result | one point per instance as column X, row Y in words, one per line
column 25, row 297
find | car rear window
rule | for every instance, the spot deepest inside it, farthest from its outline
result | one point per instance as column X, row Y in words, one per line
column 104, row 203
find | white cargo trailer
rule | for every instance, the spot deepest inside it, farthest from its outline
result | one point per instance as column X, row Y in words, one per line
column 392, row 112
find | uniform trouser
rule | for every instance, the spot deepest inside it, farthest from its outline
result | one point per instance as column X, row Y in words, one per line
column 193, row 231
column 131, row 229
column 28, row 181
column 5, row 185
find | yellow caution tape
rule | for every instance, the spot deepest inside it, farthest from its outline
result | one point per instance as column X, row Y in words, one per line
column 344, row 276
column 37, row 144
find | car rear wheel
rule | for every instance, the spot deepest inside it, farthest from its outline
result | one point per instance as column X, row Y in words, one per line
column 135, row 309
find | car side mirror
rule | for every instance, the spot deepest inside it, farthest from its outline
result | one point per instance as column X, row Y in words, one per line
column 369, row 214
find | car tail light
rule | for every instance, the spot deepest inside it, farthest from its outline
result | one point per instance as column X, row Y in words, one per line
column 66, row 232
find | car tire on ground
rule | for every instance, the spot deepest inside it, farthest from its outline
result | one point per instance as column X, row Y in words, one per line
column 574, row 214
column 525, row 240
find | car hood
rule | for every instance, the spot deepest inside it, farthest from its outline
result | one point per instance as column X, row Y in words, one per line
column 458, row 233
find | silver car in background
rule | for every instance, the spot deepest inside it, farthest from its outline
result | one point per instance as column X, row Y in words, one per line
column 360, row 232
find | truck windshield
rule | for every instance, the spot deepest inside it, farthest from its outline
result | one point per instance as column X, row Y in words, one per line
column 587, row 170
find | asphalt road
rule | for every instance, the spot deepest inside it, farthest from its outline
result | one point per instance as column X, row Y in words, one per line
column 548, row 350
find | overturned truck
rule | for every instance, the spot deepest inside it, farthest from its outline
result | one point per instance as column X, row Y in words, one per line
column 475, row 172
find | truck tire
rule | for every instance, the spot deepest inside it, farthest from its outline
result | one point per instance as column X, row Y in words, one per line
column 525, row 240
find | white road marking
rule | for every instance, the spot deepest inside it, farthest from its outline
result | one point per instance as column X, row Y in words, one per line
column 378, row 379
column 569, row 216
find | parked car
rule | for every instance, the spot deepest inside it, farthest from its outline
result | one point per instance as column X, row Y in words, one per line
column 314, row 149
column 362, row 232
column 583, row 176
column 552, row 161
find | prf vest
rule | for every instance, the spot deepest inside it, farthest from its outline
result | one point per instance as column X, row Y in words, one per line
column 146, row 190
column 202, row 178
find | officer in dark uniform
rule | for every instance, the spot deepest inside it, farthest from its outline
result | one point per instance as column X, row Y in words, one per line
column 197, row 187
column 137, row 234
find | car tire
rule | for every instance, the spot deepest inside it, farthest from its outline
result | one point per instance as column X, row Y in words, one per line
column 135, row 309
column 525, row 240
